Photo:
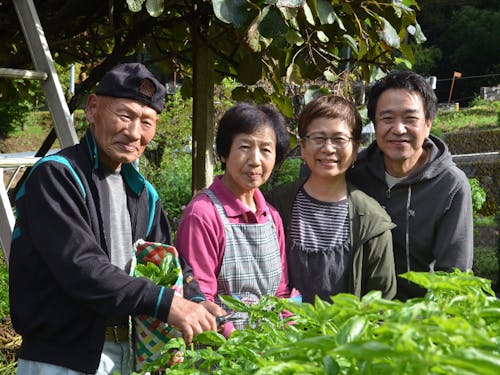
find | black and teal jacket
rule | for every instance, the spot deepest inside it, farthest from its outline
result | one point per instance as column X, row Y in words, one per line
column 63, row 288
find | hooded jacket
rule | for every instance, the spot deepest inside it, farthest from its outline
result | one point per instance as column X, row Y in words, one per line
column 63, row 287
column 432, row 209
column 372, row 266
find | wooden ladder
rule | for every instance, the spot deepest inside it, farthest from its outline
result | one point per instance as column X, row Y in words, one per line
column 54, row 98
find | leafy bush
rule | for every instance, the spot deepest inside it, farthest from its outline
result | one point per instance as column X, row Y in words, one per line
column 478, row 194
column 14, row 112
column 172, row 181
column 453, row 329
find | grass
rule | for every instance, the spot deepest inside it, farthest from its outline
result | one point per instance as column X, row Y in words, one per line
column 481, row 115
column 7, row 365
column 4, row 289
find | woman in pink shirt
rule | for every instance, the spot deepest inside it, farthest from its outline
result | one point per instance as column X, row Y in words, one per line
column 232, row 238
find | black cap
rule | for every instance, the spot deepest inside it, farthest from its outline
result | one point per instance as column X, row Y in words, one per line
column 133, row 81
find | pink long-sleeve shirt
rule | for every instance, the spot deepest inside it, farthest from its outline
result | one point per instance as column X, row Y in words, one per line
column 201, row 238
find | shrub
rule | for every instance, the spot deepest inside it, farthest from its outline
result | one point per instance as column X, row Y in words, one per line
column 453, row 329
column 16, row 105
column 478, row 195
column 172, row 181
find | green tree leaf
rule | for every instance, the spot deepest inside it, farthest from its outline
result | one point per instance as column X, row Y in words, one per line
column 135, row 5
column 231, row 11
column 389, row 34
column 271, row 24
column 154, row 7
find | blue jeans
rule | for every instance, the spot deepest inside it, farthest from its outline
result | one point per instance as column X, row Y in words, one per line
column 115, row 359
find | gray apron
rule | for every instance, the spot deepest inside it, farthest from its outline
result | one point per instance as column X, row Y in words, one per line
column 251, row 264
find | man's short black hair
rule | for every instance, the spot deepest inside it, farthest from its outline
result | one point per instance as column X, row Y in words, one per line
column 406, row 80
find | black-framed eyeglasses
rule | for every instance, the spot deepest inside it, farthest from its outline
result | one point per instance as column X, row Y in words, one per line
column 338, row 142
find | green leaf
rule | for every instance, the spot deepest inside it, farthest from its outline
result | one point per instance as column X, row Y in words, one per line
column 253, row 36
column 351, row 42
column 270, row 23
column 308, row 14
column 314, row 92
column 234, row 303
column 352, row 330
column 231, row 11
column 250, row 69
column 404, row 62
column 284, row 104
column 389, row 34
column 293, row 74
column 210, row 338
column 330, row 76
column 326, row 14
column 322, row 37
column 288, row 13
column 475, row 360
column 290, row 4
column 154, row 7
column 407, row 52
column 331, row 365
column 135, row 5
column 367, row 350
column 293, row 37
column 417, row 33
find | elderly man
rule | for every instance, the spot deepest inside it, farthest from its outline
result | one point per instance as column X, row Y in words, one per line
column 410, row 172
column 78, row 214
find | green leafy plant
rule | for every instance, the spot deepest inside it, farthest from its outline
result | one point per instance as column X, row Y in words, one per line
column 165, row 274
column 478, row 194
column 453, row 329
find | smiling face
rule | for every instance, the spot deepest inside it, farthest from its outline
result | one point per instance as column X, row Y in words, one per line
column 250, row 161
column 122, row 128
column 325, row 161
column 400, row 130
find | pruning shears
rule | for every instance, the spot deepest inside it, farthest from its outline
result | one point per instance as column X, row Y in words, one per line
column 230, row 317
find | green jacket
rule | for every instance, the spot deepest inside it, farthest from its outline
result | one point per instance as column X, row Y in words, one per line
column 370, row 232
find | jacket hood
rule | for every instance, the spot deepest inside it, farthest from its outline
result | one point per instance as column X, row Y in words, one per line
column 439, row 160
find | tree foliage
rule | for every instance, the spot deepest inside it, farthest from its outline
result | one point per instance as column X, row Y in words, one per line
column 283, row 42
column 461, row 37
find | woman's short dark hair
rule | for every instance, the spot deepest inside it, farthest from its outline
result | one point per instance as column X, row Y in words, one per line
column 331, row 107
column 246, row 118
column 406, row 80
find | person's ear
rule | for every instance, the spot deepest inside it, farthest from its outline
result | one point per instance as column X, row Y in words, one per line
column 301, row 145
column 91, row 108
column 428, row 125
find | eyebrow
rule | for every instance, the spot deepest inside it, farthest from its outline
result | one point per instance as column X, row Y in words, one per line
column 392, row 111
column 336, row 134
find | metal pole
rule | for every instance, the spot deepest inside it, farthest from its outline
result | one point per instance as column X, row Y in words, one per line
column 451, row 88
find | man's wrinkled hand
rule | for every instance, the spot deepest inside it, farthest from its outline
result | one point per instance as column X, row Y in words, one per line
column 213, row 308
column 190, row 318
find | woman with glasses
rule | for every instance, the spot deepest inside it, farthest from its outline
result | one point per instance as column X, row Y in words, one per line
column 338, row 238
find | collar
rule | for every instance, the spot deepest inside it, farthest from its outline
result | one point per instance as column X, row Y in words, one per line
column 233, row 206
column 134, row 180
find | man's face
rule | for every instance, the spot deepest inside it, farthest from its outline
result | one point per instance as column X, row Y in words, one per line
column 400, row 130
column 122, row 128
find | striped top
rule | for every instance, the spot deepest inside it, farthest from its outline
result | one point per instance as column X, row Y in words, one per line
column 320, row 225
